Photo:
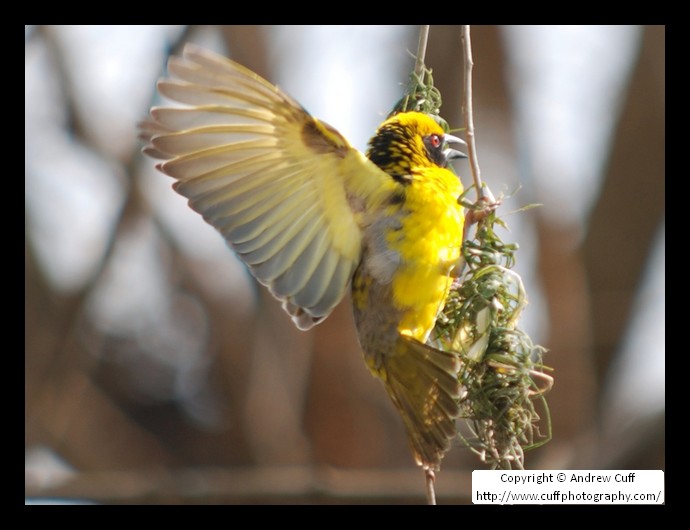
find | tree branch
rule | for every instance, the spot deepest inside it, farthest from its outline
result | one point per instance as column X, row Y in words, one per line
column 467, row 111
column 421, row 50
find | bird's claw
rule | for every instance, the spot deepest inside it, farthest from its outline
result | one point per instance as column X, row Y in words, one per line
column 484, row 206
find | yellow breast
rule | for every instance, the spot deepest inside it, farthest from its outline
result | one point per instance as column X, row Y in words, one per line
column 428, row 244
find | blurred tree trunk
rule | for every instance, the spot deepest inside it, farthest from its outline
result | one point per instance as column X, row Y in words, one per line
column 65, row 410
column 631, row 205
column 623, row 227
column 247, row 46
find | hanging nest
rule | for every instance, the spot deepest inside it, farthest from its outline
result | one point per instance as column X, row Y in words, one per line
column 502, row 373
column 422, row 96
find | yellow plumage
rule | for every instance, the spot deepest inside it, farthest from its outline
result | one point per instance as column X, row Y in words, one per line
column 311, row 216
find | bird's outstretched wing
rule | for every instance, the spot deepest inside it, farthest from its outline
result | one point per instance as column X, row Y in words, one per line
column 285, row 189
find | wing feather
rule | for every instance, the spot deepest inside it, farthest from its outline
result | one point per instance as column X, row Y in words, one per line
column 294, row 279
column 209, row 136
column 282, row 247
column 312, row 293
column 278, row 236
column 182, row 119
column 284, row 189
column 192, row 94
column 282, row 260
column 242, row 177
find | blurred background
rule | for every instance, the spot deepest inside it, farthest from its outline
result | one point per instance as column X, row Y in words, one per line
column 157, row 371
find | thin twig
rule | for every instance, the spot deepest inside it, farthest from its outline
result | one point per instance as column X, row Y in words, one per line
column 467, row 111
column 430, row 492
column 421, row 50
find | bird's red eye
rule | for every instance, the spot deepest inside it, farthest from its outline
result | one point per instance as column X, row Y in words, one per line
column 435, row 140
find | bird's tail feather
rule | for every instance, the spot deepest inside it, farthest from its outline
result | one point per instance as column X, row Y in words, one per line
column 422, row 381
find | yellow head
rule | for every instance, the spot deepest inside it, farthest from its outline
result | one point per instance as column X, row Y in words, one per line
column 411, row 140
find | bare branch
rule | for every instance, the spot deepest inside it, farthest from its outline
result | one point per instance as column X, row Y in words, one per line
column 467, row 112
column 421, row 50
column 430, row 491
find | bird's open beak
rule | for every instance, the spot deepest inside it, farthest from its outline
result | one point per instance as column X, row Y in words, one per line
column 449, row 152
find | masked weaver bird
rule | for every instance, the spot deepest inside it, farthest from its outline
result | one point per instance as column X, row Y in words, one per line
column 311, row 216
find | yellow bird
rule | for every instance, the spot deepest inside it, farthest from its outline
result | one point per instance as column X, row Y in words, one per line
column 311, row 216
